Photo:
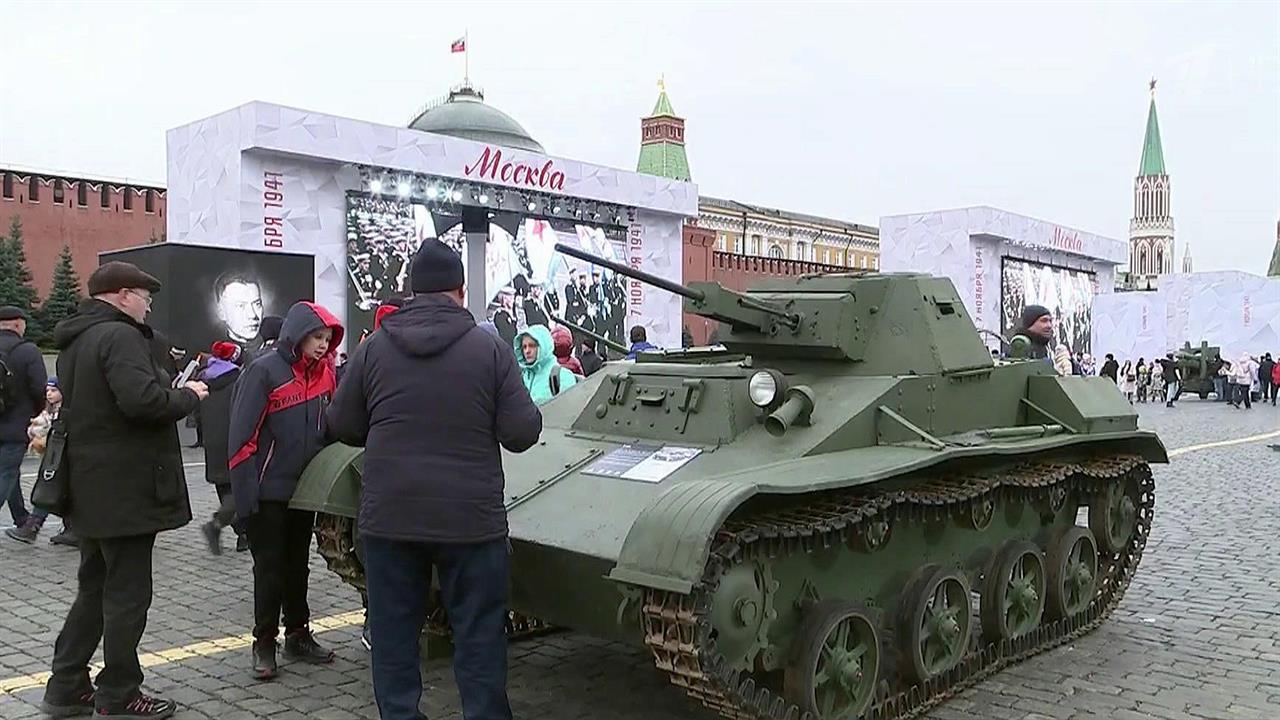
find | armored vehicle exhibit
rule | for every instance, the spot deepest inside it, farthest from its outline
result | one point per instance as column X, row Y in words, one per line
column 847, row 511
column 1198, row 367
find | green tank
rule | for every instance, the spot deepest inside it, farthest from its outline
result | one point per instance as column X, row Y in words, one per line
column 846, row 510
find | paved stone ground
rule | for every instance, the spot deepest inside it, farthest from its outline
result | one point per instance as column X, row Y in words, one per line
column 1197, row 636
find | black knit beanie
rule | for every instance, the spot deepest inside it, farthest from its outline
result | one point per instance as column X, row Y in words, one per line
column 435, row 268
column 1032, row 313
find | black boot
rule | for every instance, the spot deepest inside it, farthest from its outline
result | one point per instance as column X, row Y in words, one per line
column 66, row 537
column 264, row 659
column 301, row 645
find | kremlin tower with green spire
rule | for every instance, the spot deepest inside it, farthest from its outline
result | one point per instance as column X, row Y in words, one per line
column 662, row 141
column 1151, row 246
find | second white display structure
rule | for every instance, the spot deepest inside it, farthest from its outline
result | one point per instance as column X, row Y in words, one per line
column 1001, row 261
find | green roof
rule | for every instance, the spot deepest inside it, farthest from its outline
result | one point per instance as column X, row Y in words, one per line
column 663, row 106
column 664, row 159
column 1152, row 152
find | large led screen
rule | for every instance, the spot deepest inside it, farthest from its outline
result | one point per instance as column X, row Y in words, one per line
column 528, row 282
column 1067, row 294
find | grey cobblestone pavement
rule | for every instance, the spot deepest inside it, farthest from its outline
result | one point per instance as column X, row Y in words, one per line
column 1197, row 635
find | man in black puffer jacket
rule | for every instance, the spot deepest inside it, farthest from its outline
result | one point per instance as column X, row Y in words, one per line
column 126, row 485
column 433, row 398
column 277, row 427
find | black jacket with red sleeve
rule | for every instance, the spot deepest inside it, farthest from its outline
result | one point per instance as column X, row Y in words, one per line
column 277, row 413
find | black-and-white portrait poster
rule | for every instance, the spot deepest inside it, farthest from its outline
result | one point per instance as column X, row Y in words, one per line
column 213, row 294
column 1067, row 294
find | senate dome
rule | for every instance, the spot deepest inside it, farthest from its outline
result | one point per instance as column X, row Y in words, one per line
column 465, row 114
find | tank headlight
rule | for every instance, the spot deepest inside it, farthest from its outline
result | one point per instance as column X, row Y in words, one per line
column 763, row 388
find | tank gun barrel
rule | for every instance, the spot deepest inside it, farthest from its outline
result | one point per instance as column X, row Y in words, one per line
column 614, row 346
column 714, row 301
column 640, row 275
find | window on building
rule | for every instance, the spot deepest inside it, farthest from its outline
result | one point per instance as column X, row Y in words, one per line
column 59, row 191
column 127, row 192
column 150, row 200
column 801, row 251
column 720, row 242
column 33, row 189
column 863, row 260
column 875, row 263
column 106, row 196
column 775, row 251
column 737, row 245
column 82, row 193
column 8, row 186
column 755, row 244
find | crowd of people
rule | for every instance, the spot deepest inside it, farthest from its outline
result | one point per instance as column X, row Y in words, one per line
column 432, row 498
column 1236, row 382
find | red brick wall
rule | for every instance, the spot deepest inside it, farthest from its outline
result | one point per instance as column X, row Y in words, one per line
column 703, row 263
column 87, row 230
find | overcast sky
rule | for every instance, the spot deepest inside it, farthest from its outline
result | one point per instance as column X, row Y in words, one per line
column 851, row 111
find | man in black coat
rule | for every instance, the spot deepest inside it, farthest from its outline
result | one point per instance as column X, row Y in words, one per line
column 126, row 485
column 1110, row 368
column 22, row 381
column 433, row 398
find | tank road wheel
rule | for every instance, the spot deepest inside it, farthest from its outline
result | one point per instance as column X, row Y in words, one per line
column 837, row 660
column 1113, row 517
column 1072, row 571
column 1013, row 593
column 936, row 632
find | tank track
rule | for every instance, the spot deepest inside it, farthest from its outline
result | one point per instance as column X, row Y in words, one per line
column 334, row 541
column 678, row 629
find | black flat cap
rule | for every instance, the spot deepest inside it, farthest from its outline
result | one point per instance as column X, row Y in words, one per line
column 116, row 275
column 10, row 312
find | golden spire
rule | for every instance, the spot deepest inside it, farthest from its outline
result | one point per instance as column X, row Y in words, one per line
column 662, row 82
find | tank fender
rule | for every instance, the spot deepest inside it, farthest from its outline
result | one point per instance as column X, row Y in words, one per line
column 668, row 544
column 331, row 482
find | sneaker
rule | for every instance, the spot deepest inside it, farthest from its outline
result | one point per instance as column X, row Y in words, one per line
column 26, row 532
column 264, row 659
column 213, row 537
column 302, row 645
column 242, row 542
column 66, row 537
column 141, row 707
column 366, row 639
column 78, row 706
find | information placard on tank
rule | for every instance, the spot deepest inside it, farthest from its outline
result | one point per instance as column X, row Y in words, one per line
column 646, row 463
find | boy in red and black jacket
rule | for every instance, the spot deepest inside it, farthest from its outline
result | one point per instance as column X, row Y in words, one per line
column 277, row 427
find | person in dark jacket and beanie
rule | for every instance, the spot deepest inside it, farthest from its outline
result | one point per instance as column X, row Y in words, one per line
column 23, row 400
column 220, row 372
column 277, row 427
column 433, row 489
column 126, row 485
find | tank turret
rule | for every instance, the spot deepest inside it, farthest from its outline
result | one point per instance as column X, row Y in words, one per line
column 881, row 324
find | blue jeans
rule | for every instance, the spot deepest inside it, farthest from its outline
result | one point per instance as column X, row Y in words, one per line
column 11, row 455
column 473, row 587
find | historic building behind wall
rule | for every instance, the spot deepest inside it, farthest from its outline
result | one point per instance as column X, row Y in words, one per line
column 734, row 243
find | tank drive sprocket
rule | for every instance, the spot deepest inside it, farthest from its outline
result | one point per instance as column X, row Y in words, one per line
column 1048, row 596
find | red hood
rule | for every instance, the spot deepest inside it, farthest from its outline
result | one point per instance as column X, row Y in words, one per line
column 382, row 311
column 563, row 340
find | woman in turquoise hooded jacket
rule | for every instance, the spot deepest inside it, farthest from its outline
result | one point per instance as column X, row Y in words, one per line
column 536, row 373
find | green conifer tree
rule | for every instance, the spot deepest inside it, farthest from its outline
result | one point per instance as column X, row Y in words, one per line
column 64, row 295
column 18, row 290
